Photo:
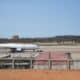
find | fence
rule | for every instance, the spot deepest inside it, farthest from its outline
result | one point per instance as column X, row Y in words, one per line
column 20, row 63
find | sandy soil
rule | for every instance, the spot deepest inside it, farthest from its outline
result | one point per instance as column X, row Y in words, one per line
column 39, row 75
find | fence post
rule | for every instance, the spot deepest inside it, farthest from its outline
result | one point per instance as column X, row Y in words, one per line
column 13, row 63
column 49, row 61
column 69, row 61
column 31, row 63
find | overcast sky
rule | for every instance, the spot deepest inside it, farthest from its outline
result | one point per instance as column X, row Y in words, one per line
column 34, row 18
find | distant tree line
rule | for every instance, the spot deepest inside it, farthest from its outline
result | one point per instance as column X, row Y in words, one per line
column 47, row 39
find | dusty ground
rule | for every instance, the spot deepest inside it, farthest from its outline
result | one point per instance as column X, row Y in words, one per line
column 58, row 48
column 39, row 75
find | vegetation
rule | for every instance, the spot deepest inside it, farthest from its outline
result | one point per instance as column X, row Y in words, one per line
column 46, row 39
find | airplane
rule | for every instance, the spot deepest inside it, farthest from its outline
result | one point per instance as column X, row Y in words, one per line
column 19, row 47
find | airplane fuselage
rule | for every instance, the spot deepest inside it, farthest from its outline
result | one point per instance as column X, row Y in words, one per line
column 19, row 46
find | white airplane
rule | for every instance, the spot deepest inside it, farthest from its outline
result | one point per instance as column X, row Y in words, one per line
column 19, row 46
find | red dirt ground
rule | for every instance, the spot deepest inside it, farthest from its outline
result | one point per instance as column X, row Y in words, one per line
column 39, row 75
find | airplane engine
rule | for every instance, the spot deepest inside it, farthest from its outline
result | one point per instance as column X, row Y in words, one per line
column 13, row 50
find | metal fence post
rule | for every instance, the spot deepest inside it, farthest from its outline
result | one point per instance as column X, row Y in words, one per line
column 68, row 64
column 69, row 61
column 31, row 63
column 49, row 61
column 13, row 63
